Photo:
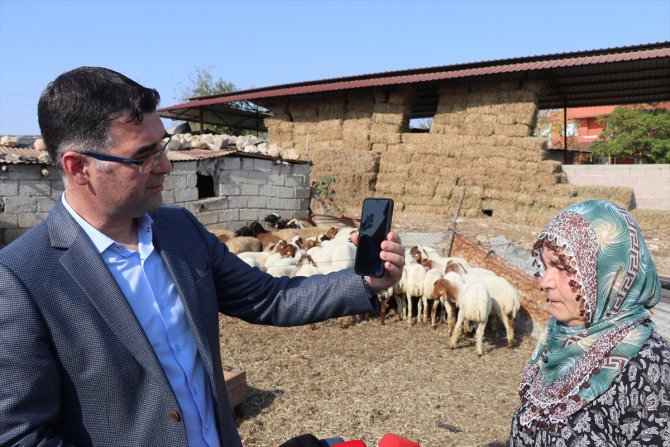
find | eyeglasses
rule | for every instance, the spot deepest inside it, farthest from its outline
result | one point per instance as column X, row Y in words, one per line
column 146, row 164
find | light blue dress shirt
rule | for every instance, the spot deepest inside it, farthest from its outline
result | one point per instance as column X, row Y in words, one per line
column 149, row 289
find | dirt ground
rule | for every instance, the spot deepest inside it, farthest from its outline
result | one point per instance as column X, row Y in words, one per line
column 367, row 380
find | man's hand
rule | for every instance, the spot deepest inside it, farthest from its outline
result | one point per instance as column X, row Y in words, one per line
column 393, row 255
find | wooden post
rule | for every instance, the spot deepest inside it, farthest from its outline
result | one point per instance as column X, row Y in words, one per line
column 453, row 224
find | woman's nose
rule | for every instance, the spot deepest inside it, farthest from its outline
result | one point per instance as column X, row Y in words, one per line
column 545, row 281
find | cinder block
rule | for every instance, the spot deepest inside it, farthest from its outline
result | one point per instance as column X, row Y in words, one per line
column 9, row 188
column 229, row 215
column 34, row 188
column 249, row 189
column 19, row 205
column 284, row 192
column 257, row 202
column 24, row 172
column 208, row 217
column 184, row 167
column 186, row 195
column 45, row 204
column 8, row 220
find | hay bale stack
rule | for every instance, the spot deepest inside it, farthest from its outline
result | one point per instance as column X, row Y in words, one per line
column 480, row 138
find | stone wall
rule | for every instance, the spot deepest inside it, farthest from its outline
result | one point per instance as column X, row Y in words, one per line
column 248, row 189
column 480, row 139
column 27, row 194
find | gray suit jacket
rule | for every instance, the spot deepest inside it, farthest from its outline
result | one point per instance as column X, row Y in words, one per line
column 75, row 365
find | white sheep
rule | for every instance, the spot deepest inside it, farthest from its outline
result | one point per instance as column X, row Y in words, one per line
column 506, row 302
column 432, row 276
column 447, row 290
column 255, row 258
column 400, row 295
column 414, row 287
column 474, row 304
column 306, row 266
column 333, row 256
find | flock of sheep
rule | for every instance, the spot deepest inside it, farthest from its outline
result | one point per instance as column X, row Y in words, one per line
column 468, row 294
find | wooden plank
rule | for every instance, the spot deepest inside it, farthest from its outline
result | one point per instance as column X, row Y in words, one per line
column 236, row 385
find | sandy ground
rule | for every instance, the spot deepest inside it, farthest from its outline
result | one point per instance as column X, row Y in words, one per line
column 367, row 380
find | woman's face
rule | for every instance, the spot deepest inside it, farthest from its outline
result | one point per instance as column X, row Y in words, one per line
column 562, row 296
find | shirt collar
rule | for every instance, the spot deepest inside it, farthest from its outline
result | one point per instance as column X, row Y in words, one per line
column 103, row 242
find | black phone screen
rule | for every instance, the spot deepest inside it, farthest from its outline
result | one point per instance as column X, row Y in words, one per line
column 375, row 225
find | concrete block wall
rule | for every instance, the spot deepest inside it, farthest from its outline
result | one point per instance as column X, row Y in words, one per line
column 27, row 193
column 650, row 183
column 248, row 189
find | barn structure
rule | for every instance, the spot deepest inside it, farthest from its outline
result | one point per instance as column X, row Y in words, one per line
column 474, row 134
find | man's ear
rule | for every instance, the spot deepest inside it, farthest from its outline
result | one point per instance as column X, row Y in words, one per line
column 76, row 167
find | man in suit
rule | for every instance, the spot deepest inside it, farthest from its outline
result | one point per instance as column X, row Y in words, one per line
column 109, row 308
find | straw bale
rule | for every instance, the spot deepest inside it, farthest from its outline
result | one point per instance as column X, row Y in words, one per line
column 420, row 189
column 350, row 161
column 385, row 128
column 327, row 144
column 350, row 133
column 653, row 221
column 329, row 124
column 396, row 119
column 358, row 113
column 379, row 147
column 327, row 135
column 398, row 97
column 388, row 109
column 356, row 145
column 395, row 158
column 382, row 137
column 512, row 130
column 391, row 187
column 281, row 135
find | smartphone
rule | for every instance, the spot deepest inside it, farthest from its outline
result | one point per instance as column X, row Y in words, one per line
column 375, row 225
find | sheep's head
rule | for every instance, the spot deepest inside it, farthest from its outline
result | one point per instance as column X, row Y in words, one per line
column 453, row 266
column 305, row 259
column 427, row 264
column 415, row 252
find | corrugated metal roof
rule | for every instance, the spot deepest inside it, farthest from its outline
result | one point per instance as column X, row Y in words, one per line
column 612, row 76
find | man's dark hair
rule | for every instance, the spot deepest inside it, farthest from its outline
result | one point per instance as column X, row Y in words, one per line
column 75, row 110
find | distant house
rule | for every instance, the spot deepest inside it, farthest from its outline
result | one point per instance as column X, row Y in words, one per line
column 584, row 126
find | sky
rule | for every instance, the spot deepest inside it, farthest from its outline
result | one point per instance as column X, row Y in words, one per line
column 161, row 43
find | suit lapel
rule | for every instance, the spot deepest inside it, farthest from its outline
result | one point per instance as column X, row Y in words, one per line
column 87, row 268
column 170, row 246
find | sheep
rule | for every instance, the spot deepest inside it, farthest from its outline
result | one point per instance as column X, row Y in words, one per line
column 429, row 280
column 241, row 244
column 384, row 297
column 253, row 229
column 506, row 302
column 474, row 304
column 335, row 256
column 344, row 233
column 306, row 266
column 400, row 295
column 453, row 265
column 255, row 258
column 447, row 290
column 283, row 263
column 414, row 287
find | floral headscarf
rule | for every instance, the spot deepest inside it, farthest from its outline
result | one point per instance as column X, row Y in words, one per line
column 617, row 283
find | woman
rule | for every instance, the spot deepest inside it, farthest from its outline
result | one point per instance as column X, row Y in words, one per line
column 600, row 375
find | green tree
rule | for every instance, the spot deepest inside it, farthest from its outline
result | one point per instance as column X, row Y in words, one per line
column 638, row 132
column 202, row 83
